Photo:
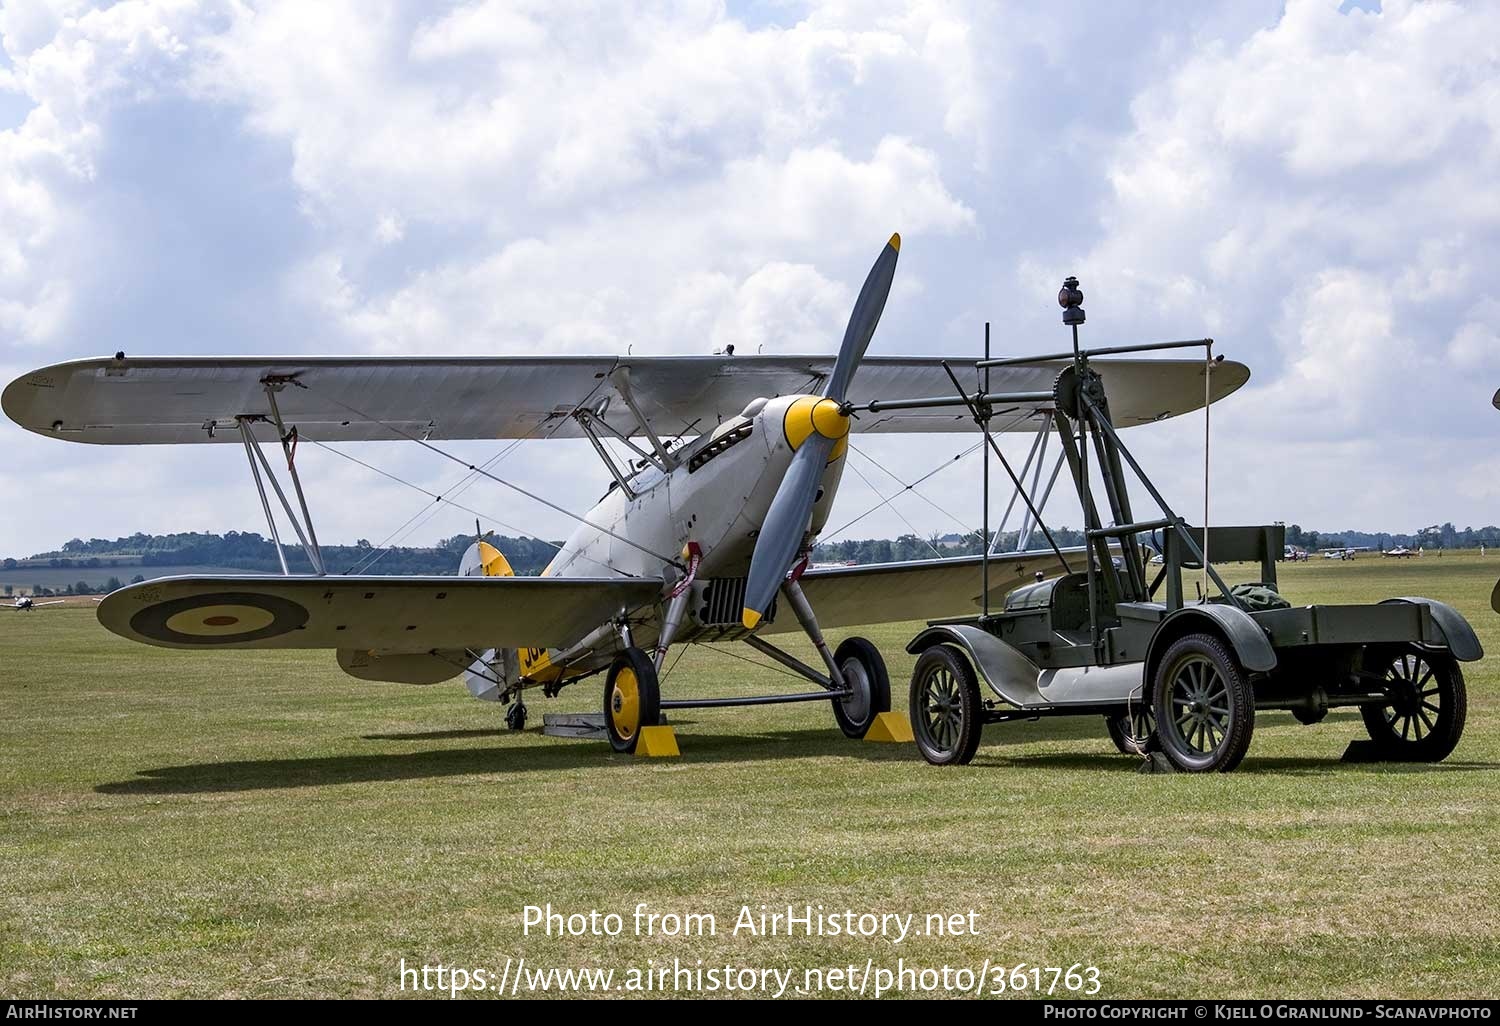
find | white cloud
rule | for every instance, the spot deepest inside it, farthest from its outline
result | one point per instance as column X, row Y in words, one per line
column 1313, row 188
column 1319, row 198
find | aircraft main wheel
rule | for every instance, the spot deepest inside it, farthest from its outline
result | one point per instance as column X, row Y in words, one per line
column 1204, row 705
column 632, row 699
column 947, row 714
column 1134, row 733
column 1429, row 704
column 864, row 671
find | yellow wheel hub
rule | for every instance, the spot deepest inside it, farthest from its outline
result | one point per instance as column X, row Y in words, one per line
column 625, row 703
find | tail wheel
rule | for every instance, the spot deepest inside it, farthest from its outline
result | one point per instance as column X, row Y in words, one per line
column 1204, row 705
column 632, row 699
column 1133, row 732
column 1429, row 704
column 947, row 714
column 870, row 687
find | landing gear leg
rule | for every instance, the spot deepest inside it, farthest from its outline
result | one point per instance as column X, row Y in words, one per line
column 857, row 667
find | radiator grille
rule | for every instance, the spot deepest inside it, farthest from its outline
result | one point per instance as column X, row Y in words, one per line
column 724, row 603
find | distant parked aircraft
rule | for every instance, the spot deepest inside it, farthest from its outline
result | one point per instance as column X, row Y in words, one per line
column 25, row 604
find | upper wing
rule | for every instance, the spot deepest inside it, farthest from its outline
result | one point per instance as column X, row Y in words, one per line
column 917, row 590
column 156, row 400
column 381, row 614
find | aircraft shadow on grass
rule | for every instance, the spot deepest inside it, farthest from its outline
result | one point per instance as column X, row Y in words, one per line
column 769, row 746
column 263, row 774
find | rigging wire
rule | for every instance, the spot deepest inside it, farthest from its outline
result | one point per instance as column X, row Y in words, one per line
column 431, row 508
column 896, row 511
column 422, row 515
column 672, row 561
column 912, row 488
column 444, row 498
column 941, row 467
column 753, row 662
column 681, row 651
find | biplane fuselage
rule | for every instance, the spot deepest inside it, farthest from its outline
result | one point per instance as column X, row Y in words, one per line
column 715, row 498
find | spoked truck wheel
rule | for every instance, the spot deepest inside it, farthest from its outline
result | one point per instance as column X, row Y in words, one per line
column 632, row 699
column 1133, row 733
column 1204, row 705
column 864, row 672
column 946, row 710
column 1428, row 705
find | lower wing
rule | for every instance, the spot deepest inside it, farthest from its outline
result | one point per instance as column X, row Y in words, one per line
column 370, row 614
column 918, row 590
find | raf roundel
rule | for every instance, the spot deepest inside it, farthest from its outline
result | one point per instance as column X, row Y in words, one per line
column 219, row 619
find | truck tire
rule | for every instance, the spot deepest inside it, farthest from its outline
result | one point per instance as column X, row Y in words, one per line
column 1429, row 704
column 1204, row 705
column 1133, row 733
column 947, row 714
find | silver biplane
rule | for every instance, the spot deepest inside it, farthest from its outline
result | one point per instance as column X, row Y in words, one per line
column 703, row 536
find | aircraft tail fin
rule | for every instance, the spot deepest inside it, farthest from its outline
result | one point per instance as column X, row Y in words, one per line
column 486, row 675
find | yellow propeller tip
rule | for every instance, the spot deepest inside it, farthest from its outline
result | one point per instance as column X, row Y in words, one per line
column 895, row 242
column 750, row 618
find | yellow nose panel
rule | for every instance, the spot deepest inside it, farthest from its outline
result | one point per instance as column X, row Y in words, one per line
column 812, row 415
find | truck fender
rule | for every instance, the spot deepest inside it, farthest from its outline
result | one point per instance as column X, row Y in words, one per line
column 1251, row 646
column 1462, row 641
column 1008, row 673
column 946, row 633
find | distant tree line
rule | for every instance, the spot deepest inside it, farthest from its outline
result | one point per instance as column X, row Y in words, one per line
column 913, row 546
column 1438, row 536
column 246, row 550
column 80, row 588
column 249, row 551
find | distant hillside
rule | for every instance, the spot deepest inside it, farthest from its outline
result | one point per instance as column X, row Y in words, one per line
column 99, row 564
column 911, row 546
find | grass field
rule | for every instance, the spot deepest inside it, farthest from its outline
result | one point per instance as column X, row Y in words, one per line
column 260, row 825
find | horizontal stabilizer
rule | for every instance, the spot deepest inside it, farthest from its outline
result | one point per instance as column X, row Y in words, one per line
column 372, row 614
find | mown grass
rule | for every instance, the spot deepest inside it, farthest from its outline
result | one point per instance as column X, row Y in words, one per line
column 260, row 825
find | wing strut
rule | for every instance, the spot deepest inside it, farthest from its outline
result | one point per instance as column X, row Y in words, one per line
column 250, row 453
column 288, row 449
column 258, row 463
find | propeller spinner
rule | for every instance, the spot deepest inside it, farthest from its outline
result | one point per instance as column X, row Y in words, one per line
column 818, row 429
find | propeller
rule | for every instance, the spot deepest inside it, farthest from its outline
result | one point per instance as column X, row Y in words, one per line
column 817, row 428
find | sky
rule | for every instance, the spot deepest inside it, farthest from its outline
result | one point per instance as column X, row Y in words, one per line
column 1311, row 183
